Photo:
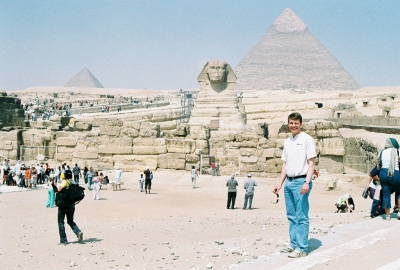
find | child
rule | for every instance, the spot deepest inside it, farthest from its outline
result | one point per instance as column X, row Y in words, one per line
column 141, row 181
column 50, row 193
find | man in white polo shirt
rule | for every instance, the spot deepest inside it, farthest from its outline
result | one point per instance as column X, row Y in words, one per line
column 298, row 167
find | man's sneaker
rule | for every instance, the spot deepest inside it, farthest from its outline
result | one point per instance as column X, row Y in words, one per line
column 80, row 237
column 287, row 249
column 297, row 254
column 388, row 217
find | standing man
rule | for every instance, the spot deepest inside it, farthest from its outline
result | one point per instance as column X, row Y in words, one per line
column 213, row 168
column 18, row 173
column 249, row 187
column 69, row 212
column 231, row 184
column 77, row 172
column 298, row 168
column 147, row 179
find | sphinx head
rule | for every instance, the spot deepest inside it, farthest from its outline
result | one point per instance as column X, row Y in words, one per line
column 217, row 71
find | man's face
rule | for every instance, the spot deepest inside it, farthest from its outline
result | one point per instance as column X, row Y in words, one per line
column 216, row 72
column 294, row 126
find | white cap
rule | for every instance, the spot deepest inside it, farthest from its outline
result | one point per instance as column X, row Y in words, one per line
column 249, row 175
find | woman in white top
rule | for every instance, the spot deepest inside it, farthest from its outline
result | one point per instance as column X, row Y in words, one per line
column 389, row 173
column 96, row 186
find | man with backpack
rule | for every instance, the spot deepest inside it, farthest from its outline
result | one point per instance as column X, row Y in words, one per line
column 69, row 212
column 77, row 172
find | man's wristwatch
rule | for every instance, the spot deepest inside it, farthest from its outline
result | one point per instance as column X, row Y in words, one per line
column 307, row 182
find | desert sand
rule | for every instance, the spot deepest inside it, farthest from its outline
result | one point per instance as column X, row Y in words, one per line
column 174, row 227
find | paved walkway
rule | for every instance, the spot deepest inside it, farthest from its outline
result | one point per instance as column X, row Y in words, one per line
column 368, row 244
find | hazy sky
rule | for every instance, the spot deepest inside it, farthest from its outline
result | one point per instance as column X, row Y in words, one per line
column 163, row 44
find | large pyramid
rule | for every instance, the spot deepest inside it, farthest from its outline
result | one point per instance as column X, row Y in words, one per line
column 84, row 79
column 289, row 57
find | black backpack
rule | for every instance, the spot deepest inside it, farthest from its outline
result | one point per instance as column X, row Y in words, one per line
column 70, row 196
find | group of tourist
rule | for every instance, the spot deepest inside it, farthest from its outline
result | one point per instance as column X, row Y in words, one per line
column 249, row 185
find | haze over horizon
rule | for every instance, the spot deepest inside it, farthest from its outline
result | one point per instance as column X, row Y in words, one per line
column 164, row 45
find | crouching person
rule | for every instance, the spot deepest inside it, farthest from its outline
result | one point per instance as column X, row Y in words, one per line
column 69, row 212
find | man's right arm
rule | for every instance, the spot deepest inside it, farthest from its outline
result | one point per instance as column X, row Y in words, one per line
column 281, row 179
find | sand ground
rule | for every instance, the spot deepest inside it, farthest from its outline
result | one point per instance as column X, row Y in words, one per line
column 174, row 227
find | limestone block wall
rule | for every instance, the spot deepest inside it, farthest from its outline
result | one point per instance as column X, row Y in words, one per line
column 11, row 111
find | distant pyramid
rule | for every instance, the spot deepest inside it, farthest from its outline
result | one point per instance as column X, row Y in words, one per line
column 290, row 57
column 84, row 79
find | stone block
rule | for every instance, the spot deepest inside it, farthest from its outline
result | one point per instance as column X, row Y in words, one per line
column 110, row 130
column 265, row 143
column 203, row 146
column 268, row 153
column 199, row 132
column 149, row 150
column 65, row 150
column 280, row 143
column 192, row 158
column 328, row 133
column 130, row 132
column 169, row 125
column 257, row 167
column 172, row 161
column 189, row 166
column 86, row 155
column 273, row 165
column 114, row 150
column 249, row 159
column 80, row 126
column 116, row 141
column 132, row 125
column 278, row 153
column 66, row 141
column 102, row 165
column 136, row 163
column 247, row 151
column 331, row 147
column 148, row 133
column 180, row 146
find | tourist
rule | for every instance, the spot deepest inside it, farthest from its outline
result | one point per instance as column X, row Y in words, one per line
column 213, row 168
column 90, row 175
column 34, row 176
column 39, row 170
column 141, row 181
column 389, row 173
column 10, row 178
column 77, row 172
column 118, row 176
column 23, row 171
column 217, row 172
column 51, row 196
column 57, row 172
column 298, row 168
column 345, row 204
column 249, row 187
column 147, row 179
column 69, row 212
column 194, row 174
column 85, row 171
column 101, row 179
column 231, row 184
column 96, row 186
column 28, row 177
column 18, row 173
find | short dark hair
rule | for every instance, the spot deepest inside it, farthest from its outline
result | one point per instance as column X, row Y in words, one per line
column 68, row 174
column 295, row 116
column 193, row 167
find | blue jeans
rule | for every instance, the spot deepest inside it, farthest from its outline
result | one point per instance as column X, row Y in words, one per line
column 297, row 213
column 50, row 198
column 388, row 184
column 89, row 182
column 69, row 212
column 249, row 198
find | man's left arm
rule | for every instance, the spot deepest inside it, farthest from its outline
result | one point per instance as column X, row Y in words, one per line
column 311, row 166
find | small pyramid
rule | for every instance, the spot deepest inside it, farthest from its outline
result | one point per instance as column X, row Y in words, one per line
column 288, row 56
column 84, row 79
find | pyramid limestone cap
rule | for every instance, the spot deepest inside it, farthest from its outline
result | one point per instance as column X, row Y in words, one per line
column 288, row 22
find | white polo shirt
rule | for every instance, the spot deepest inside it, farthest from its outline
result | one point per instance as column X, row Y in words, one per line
column 296, row 151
